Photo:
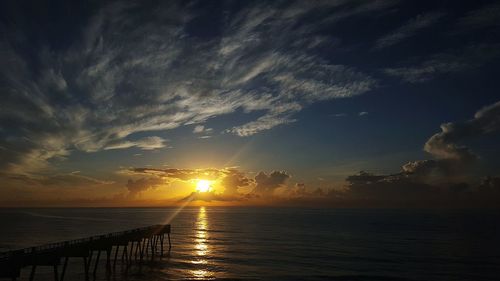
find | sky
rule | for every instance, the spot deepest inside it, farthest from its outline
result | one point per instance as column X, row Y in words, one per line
column 278, row 103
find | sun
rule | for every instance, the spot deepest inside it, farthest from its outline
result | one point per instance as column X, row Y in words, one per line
column 203, row 185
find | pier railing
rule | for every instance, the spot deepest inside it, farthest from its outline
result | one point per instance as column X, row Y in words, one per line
column 145, row 239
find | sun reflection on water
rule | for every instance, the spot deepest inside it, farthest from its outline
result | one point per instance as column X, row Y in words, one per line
column 201, row 249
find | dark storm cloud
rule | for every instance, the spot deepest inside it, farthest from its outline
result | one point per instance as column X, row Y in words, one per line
column 135, row 187
column 233, row 181
column 266, row 184
column 367, row 186
column 134, row 68
column 406, row 190
column 444, row 179
column 431, row 170
column 489, row 189
column 453, row 159
column 446, row 144
column 301, row 191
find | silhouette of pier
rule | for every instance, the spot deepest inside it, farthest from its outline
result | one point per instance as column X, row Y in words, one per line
column 129, row 246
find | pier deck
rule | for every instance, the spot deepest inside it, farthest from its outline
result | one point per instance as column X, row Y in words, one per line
column 145, row 239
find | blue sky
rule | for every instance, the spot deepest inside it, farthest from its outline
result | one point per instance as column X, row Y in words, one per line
column 316, row 89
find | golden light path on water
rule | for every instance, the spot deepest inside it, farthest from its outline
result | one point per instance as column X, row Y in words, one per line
column 201, row 248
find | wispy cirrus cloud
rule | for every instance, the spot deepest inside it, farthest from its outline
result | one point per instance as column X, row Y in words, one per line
column 348, row 9
column 74, row 179
column 454, row 61
column 408, row 30
column 486, row 16
column 148, row 143
column 103, row 87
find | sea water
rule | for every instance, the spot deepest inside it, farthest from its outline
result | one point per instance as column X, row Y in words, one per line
column 278, row 243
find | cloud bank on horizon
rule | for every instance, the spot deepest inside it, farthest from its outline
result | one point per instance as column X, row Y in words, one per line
column 442, row 181
column 126, row 75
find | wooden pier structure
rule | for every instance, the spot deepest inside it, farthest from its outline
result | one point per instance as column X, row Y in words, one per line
column 135, row 245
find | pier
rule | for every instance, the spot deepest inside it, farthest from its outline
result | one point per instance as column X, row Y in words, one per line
column 131, row 246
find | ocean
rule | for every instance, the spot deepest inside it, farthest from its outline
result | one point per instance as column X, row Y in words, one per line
column 215, row 243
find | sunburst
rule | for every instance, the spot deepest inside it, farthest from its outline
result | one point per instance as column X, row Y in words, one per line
column 203, row 185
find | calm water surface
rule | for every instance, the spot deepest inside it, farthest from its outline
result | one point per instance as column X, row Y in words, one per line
column 280, row 244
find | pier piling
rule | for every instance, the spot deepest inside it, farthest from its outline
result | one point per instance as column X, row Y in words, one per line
column 144, row 239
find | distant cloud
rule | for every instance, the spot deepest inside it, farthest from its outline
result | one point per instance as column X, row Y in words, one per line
column 340, row 115
column 453, row 160
column 486, row 16
column 408, row 30
column 266, row 184
column 137, row 186
column 198, row 129
column 363, row 113
column 230, row 179
column 445, row 144
column 405, row 190
column 73, row 180
column 455, row 61
column 179, row 174
column 442, row 180
column 235, row 180
column 386, row 188
column 361, row 8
